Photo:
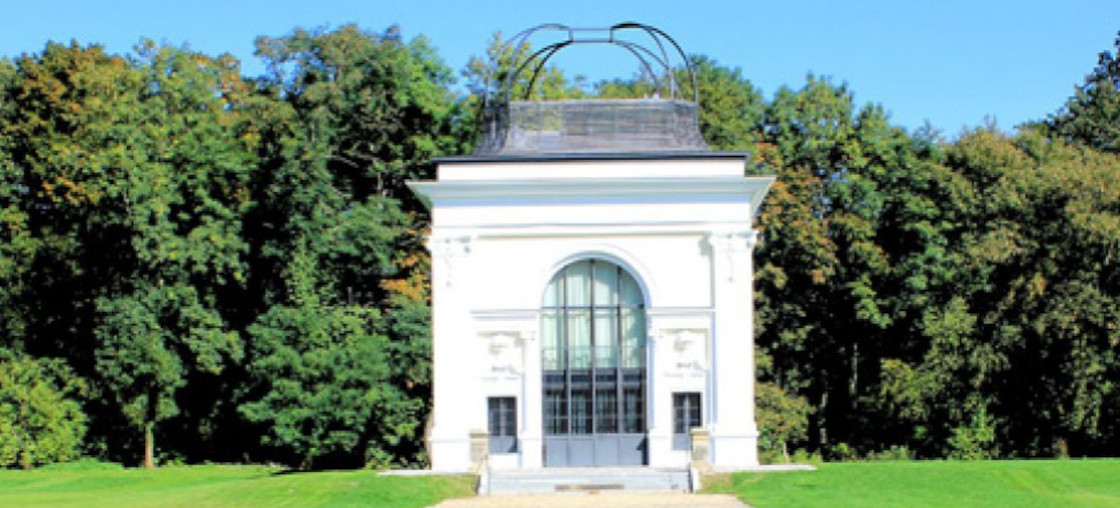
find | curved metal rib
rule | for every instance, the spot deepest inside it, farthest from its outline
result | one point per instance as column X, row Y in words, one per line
column 540, row 58
column 555, row 47
column 652, row 30
column 660, row 47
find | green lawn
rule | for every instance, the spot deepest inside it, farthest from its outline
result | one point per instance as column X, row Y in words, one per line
column 1094, row 483
column 222, row 486
column 1023, row 483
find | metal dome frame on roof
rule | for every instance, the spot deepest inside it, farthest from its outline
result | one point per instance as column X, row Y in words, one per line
column 523, row 128
column 609, row 36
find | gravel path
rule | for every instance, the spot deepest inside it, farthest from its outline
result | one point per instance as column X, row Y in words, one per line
column 607, row 500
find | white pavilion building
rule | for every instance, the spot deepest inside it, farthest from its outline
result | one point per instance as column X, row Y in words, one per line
column 592, row 288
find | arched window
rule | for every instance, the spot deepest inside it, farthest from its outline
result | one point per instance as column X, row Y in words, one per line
column 593, row 347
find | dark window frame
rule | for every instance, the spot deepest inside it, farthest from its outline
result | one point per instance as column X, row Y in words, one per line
column 564, row 387
column 501, row 416
column 687, row 414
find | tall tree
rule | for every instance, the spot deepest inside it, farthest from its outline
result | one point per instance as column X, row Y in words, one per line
column 1092, row 115
column 324, row 372
column 131, row 175
column 180, row 210
column 17, row 242
column 361, row 114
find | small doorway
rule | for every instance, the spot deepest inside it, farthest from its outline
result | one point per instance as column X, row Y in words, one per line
column 502, row 416
column 686, row 416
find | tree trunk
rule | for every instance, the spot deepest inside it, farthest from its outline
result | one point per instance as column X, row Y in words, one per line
column 152, row 410
column 822, row 420
column 853, row 381
column 149, row 445
column 428, row 435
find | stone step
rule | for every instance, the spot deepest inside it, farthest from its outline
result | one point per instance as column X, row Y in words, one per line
column 601, row 480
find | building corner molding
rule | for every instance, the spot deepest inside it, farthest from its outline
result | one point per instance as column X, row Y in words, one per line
column 452, row 251
column 730, row 247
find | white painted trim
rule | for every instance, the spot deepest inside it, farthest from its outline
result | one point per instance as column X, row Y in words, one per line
column 604, row 229
column 604, row 186
column 537, row 191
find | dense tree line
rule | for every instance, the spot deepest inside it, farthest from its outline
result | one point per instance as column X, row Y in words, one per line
column 199, row 265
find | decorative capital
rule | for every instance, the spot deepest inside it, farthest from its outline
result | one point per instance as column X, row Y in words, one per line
column 450, row 245
column 732, row 250
column 733, row 241
column 451, row 251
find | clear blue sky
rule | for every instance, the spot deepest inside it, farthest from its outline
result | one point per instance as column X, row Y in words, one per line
column 951, row 62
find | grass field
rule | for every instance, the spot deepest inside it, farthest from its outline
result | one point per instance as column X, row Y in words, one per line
column 221, row 486
column 1090, row 483
column 1024, row 483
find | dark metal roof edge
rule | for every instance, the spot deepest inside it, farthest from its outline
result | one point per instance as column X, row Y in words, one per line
column 561, row 157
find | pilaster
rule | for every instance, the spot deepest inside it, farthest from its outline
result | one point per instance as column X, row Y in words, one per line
column 734, row 431
column 452, row 398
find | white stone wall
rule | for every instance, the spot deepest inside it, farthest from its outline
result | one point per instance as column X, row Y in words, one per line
column 683, row 230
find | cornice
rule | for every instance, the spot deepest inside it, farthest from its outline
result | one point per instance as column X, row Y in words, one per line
column 531, row 191
column 592, row 156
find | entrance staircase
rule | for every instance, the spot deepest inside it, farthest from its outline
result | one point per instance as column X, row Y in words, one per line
column 584, row 480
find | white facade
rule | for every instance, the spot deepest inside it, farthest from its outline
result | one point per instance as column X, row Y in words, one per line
column 680, row 225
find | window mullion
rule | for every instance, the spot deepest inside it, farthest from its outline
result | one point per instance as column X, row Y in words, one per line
column 567, row 357
column 591, row 317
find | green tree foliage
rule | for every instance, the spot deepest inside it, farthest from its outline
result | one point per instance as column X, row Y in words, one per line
column 1092, row 115
column 356, row 115
column 17, row 243
column 783, row 418
column 886, row 299
column 224, row 257
column 41, row 417
column 731, row 108
column 490, row 77
column 826, row 273
column 58, row 112
column 1047, row 234
column 378, row 108
column 151, row 342
column 325, row 372
column 133, row 176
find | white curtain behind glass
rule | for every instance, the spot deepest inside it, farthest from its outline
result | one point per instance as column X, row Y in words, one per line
column 587, row 296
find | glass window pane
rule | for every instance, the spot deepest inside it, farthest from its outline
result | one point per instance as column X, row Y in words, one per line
column 678, row 415
column 633, row 410
column 554, row 294
column 555, row 412
column 631, row 294
column 551, row 345
column 686, row 412
column 578, row 278
column 606, row 338
column 581, row 412
column 633, row 341
column 606, row 411
column 579, row 339
column 593, row 340
column 606, row 284
column 502, row 424
column 694, row 411
column 495, row 425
